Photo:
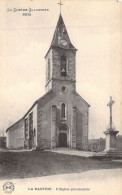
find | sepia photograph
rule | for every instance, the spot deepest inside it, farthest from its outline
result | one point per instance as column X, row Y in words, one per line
column 61, row 97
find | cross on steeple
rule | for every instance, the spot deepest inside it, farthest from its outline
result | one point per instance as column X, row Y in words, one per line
column 60, row 5
column 110, row 104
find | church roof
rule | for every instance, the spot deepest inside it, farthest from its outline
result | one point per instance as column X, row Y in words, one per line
column 61, row 38
column 82, row 99
column 39, row 100
column 14, row 124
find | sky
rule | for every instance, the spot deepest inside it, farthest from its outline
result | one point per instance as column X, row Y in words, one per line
column 94, row 28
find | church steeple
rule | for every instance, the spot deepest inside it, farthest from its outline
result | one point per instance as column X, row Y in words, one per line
column 60, row 58
column 61, row 37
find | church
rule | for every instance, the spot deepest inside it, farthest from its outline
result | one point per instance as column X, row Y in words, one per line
column 60, row 118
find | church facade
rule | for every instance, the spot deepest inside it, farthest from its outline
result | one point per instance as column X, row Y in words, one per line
column 60, row 118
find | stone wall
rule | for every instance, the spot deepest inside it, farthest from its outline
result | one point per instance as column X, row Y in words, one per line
column 34, row 111
column 49, row 120
column 15, row 135
column 44, row 107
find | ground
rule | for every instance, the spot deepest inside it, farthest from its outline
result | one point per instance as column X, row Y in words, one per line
column 31, row 164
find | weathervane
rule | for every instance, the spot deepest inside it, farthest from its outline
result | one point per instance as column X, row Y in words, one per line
column 60, row 5
column 110, row 104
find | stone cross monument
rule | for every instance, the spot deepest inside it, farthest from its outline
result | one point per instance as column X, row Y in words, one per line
column 111, row 131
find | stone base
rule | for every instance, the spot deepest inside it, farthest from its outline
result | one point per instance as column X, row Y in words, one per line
column 110, row 150
column 110, row 140
column 110, row 154
column 114, row 154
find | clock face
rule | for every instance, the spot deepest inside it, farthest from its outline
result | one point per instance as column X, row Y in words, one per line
column 63, row 42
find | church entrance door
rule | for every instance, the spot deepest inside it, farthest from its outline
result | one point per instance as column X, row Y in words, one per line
column 62, row 139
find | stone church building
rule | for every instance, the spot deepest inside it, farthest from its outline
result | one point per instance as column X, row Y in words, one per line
column 60, row 117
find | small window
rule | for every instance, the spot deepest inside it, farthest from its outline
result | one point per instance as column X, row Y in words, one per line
column 31, row 122
column 63, row 110
column 48, row 77
column 63, row 89
column 63, row 66
column 26, row 128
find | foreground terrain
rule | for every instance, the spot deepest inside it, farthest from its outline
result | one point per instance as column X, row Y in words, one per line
column 31, row 164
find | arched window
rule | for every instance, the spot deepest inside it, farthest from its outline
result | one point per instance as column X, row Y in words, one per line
column 63, row 110
column 48, row 69
column 26, row 128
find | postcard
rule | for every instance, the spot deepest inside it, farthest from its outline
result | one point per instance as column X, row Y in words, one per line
column 60, row 97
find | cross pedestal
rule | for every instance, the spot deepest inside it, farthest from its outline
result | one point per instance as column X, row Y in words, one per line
column 110, row 140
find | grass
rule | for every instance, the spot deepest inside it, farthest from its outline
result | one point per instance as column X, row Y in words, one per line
column 38, row 164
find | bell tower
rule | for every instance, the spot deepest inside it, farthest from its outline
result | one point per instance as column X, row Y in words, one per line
column 60, row 59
